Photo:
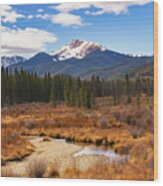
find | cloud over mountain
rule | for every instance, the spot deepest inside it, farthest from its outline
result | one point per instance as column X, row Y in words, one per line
column 24, row 41
column 32, row 28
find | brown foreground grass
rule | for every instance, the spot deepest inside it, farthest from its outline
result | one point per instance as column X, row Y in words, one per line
column 128, row 129
column 101, row 170
column 14, row 147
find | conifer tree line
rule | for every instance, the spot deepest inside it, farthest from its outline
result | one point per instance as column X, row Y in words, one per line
column 23, row 87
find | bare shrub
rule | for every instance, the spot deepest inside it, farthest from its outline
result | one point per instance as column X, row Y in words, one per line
column 123, row 150
column 36, row 168
column 103, row 122
column 136, row 132
column 117, row 115
column 46, row 139
column 52, row 172
column 30, row 124
column 141, row 118
column 9, row 136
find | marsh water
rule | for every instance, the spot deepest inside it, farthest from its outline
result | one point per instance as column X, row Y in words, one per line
column 88, row 150
column 65, row 153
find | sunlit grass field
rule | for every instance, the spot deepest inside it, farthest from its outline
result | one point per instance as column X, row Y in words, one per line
column 125, row 128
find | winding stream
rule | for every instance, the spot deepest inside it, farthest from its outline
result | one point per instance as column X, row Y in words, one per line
column 88, row 150
column 65, row 153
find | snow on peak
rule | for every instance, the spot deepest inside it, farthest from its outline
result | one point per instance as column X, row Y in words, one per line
column 77, row 49
column 135, row 55
column 7, row 61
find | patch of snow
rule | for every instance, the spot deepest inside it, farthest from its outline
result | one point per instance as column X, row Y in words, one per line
column 77, row 49
column 134, row 55
column 7, row 61
column 54, row 59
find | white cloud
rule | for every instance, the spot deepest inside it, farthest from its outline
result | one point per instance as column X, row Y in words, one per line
column 9, row 15
column 102, row 7
column 66, row 19
column 24, row 41
column 40, row 10
column 30, row 16
column 68, row 7
column 117, row 7
column 43, row 16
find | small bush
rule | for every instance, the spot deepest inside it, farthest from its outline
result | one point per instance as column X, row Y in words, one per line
column 30, row 124
column 52, row 172
column 9, row 136
column 136, row 132
column 46, row 138
column 123, row 150
column 36, row 168
column 103, row 122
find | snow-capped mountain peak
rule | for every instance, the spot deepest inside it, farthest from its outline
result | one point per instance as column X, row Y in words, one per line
column 77, row 49
column 7, row 61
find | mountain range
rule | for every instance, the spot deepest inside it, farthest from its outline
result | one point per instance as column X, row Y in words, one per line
column 7, row 61
column 84, row 59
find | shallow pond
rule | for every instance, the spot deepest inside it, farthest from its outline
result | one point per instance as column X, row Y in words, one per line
column 100, row 152
column 87, row 150
column 52, row 150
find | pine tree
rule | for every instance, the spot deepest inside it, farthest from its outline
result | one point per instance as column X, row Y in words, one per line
column 67, row 90
column 85, row 97
column 128, row 89
column 138, row 102
column 114, row 92
column 20, row 86
column 53, row 99
column 3, row 86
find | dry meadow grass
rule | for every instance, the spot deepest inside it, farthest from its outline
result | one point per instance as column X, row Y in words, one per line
column 128, row 129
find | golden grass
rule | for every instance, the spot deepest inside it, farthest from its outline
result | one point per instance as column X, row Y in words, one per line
column 128, row 129
column 7, row 172
column 52, row 171
column 101, row 170
column 14, row 147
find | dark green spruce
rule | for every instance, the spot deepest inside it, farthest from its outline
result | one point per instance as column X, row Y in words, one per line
column 25, row 87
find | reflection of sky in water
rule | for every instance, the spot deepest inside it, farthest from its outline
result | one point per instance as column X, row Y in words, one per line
column 88, row 150
column 108, row 153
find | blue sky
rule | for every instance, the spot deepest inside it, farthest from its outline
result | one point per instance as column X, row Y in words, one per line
column 123, row 27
